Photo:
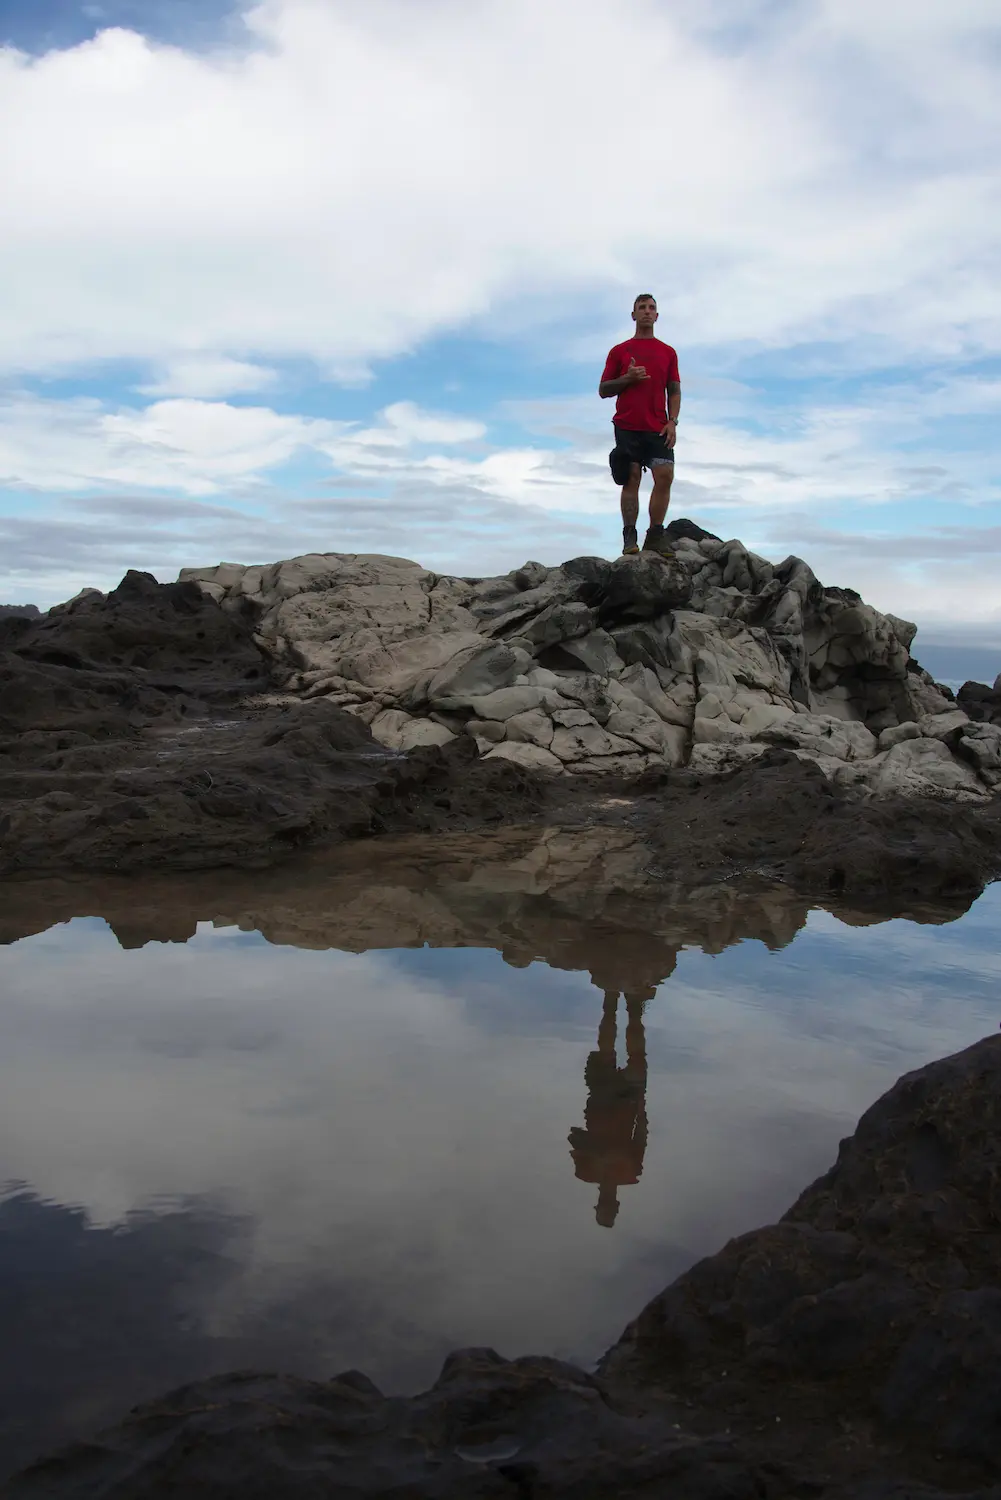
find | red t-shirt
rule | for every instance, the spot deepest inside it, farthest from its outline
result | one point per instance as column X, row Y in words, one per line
column 642, row 407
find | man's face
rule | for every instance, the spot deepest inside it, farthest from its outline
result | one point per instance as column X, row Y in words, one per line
column 645, row 313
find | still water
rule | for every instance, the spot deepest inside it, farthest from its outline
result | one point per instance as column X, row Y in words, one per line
column 360, row 1113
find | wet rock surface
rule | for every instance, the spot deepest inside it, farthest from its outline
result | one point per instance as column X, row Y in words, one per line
column 851, row 1350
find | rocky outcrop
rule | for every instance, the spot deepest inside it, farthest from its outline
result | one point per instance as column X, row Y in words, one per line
column 134, row 733
column 850, row 1352
column 981, row 703
column 25, row 611
column 594, row 666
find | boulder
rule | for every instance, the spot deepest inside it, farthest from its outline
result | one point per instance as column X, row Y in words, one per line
column 533, row 757
column 822, row 735
column 492, row 731
column 533, row 727
column 720, row 643
column 504, row 703
column 645, row 587
column 948, row 727
column 916, row 767
column 585, row 741
column 594, row 652
column 472, row 673
column 387, row 727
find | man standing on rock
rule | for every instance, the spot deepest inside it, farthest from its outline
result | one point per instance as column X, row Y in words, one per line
column 641, row 373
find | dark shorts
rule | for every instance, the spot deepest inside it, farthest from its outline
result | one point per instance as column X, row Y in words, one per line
column 646, row 448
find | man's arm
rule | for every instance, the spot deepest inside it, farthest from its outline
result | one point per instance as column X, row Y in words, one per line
column 634, row 374
column 670, row 428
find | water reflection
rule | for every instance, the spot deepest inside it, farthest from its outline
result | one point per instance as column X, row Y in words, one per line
column 317, row 1118
column 610, row 1148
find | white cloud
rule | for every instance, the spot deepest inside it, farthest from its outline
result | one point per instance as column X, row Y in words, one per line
column 195, row 446
column 209, row 377
column 363, row 178
column 414, row 425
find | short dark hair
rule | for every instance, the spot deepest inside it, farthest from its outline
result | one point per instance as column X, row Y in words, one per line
column 644, row 297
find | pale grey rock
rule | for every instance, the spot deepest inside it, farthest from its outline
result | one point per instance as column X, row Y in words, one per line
column 570, row 718
column 506, row 702
column 643, row 683
column 534, row 726
column 898, row 733
column 587, row 692
column 764, row 716
column 925, row 697
column 424, row 732
column 387, row 727
column 366, row 712
column 676, row 744
column 720, row 647
column 981, row 745
column 647, row 644
column 559, row 623
column 948, row 727
column 723, row 756
column 585, row 741
column 649, row 732
column 904, row 630
column 486, row 729
column 534, row 757
column 224, row 575
column 544, row 678
column 214, row 591
column 823, row 736
column 614, row 765
column 473, row 673
column 595, row 652
column 531, row 575
column 407, row 667
column 917, row 767
column 718, row 729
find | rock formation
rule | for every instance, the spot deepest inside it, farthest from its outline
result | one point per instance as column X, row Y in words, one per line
column 618, row 666
column 850, row 1352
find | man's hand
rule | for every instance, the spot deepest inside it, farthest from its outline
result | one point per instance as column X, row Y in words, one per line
column 669, row 431
column 635, row 373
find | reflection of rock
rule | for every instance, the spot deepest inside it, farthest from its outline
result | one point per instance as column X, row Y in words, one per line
column 582, row 899
column 851, row 1350
column 610, row 1148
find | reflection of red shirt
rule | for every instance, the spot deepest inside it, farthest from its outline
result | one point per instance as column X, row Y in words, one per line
column 642, row 407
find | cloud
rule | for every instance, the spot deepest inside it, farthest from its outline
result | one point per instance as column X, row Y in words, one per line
column 358, row 180
column 74, row 544
column 195, row 446
column 209, row 376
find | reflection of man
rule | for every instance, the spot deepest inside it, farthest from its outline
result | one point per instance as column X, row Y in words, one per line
column 609, row 1150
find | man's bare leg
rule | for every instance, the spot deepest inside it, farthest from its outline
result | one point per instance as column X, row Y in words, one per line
column 660, row 499
column 630, row 499
column 630, row 504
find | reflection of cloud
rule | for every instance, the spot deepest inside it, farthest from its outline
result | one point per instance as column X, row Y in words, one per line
column 396, row 1147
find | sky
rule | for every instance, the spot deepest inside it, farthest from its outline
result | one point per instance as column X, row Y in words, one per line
column 340, row 275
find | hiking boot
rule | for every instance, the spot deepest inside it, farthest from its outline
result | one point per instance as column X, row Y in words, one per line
column 630, row 545
column 656, row 541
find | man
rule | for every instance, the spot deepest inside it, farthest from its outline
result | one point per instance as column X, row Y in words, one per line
column 640, row 373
